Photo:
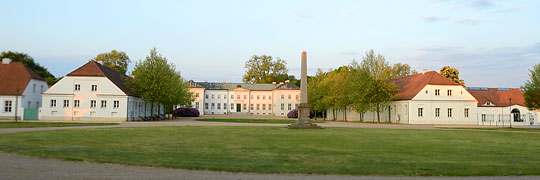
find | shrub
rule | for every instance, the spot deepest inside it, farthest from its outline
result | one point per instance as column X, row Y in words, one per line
column 294, row 114
column 186, row 112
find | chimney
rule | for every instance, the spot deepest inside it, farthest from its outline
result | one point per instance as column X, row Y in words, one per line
column 238, row 86
column 424, row 71
column 6, row 61
column 274, row 83
column 287, row 81
column 223, row 82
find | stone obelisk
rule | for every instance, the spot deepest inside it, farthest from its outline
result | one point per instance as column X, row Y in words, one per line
column 303, row 122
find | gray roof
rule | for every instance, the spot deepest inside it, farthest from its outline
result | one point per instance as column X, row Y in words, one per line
column 248, row 86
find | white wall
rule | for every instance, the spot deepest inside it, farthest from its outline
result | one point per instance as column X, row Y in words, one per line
column 30, row 99
column 282, row 97
column 500, row 116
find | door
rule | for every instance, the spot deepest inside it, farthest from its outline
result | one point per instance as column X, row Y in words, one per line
column 238, row 107
column 30, row 114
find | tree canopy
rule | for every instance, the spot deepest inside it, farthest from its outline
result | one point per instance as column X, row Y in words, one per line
column 452, row 74
column 29, row 62
column 532, row 89
column 116, row 60
column 265, row 69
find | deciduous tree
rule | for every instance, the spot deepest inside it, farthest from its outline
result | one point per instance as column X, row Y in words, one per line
column 452, row 74
column 116, row 60
column 29, row 62
column 532, row 89
column 265, row 69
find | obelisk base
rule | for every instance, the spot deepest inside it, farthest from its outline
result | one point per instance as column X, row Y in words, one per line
column 303, row 121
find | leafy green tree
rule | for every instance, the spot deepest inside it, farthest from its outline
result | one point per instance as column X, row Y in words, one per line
column 358, row 89
column 317, row 93
column 156, row 81
column 400, row 70
column 452, row 74
column 381, row 89
column 29, row 62
column 265, row 69
column 532, row 89
column 116, row 60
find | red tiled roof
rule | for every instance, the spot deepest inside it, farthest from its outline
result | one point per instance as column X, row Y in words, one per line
column 410, row 86
column 15, row 76
column 94, row 69
column 497, row 97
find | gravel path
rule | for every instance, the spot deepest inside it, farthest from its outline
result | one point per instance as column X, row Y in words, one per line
column 21, row 167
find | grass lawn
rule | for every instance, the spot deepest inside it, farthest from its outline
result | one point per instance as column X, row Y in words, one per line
column 48, row 124
column 279, row 150
column 499, row 129
column 277, row 121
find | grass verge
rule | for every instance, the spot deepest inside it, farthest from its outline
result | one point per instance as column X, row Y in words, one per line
column 272, row 121
column 48, row 124
column 352, row 151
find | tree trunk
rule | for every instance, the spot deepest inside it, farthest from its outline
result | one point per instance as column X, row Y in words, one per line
column 159, row 111
column 378, row 115
column 345, row 115
column 151, row 111
column 361, row 117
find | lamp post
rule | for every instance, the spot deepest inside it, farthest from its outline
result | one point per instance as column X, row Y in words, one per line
column 510, row 99
column 16, row 103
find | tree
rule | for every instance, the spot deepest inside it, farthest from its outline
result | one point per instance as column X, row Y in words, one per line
column 452, row 74
column 264, row 69
column 29, row 62
column 157, row 81
column 532, row 89
column 380, row 88
column 116, row 60
column 358, row 86
column 400, row 70
column 317, row 93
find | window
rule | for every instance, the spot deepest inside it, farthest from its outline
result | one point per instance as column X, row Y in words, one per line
column 205, row 105
column 264, row 107
column 93, row 103
column 449, row 112
column 8, row 106
column 270, row 97
column 483, row 117
column 213, row 96
column 295, row 106
column 297, row 98
column 77, row 87
column 237, row 96
column 116, row 104
column 196, row 94
column 251, row 106
column 466, row 111
column 245, row 96
column 41, row 89
column 257, row 96
column 224, row 106
column 420, row 112
column 76, row 103
column 103, row 103
column 66, row 103
column 197, row 105
column 449, row 92
column 213, row 106
column 251, row 97
column 34, row 88
column 245, row 107
column 289, row 96
column 53, row 102
column 232, row 106
column 219, row 96
column 282, row 106
column 29, row 104
column 218, row 105
column 232, row 96
column 206, row 96
column 437, row 92
column 269, row 107
column 258, row 106
column 437, row 112
column 282, row 96
column 289, row 107
column 94, row 87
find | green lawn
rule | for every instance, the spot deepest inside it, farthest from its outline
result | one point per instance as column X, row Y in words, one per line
column 276, row 121
column 498, row 129
column 396, row 152
column 48, row 124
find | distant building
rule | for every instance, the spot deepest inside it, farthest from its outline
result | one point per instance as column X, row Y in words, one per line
column 20, row 91
column 423, row 98
column 94, row 92
column 244, row 98
column 494, row 107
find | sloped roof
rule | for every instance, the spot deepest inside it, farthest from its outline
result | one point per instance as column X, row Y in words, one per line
column 15, row 76
column 248, row 86
column 497, row 96
column 94, row 69
column 410, row 86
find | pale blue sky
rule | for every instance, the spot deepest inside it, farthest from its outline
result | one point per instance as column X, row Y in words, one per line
column 492, row 42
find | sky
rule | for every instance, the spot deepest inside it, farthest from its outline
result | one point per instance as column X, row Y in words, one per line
column 492, row 42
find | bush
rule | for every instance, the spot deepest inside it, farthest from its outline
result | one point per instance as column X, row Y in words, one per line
column 186, row 112
column 294, row 114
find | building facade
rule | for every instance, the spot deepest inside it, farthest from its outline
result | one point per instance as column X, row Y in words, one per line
column 243, row 98
column 94, row 92
column 20, row 91
column 502, row 107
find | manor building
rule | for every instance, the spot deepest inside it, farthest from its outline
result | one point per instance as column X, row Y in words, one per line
column 20, row 91
column 94, row 92
column 245, row 98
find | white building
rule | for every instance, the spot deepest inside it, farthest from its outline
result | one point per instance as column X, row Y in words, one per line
column 93, row 92
column 20, row 91
column 502, row 107
column 242, row 98
column 424, row 98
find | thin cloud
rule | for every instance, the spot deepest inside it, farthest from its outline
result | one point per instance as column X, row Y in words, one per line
column 468, row 21
column 507, row 10
column 481, row 4
column 433, row 18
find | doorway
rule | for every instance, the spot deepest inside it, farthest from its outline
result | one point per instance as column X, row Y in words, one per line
column 238, row 107
column 516, row 116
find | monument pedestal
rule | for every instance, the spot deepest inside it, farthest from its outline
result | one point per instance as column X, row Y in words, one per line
column 303, row 121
